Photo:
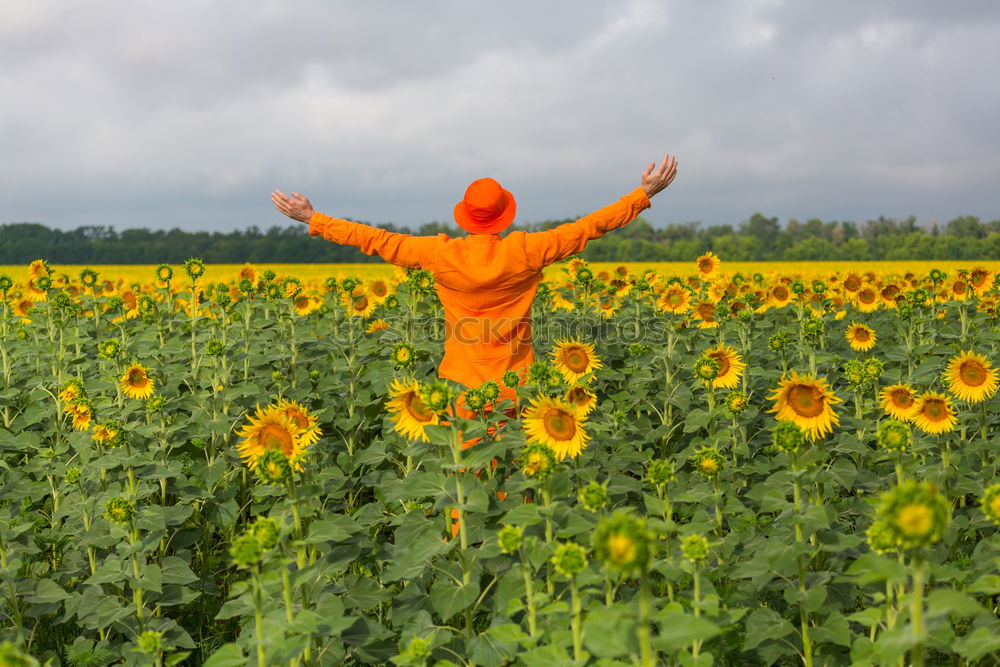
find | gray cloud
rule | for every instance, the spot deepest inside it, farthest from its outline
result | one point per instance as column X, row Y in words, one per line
column 188, row 113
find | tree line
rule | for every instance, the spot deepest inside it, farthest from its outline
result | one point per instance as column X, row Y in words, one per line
column 759, row 238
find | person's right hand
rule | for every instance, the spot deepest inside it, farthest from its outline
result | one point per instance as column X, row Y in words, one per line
column 295, row 207
column 654, row 181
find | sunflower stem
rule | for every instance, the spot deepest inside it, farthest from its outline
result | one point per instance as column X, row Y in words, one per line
column 575, row 619
column 916, row 610
column 645, row 647
column 529, row 594
column 696, row 645
column 258, row 614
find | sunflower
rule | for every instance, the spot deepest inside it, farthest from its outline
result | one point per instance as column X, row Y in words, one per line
column 409, row 414
column 377, row 325
column 861, row 337
column 707, row 264
column 674, row 299
column 72, row 390
column 559, row 302
column 866, row 299
column 378, row 290
column 933, row 413
column 851, row 283
column 971, row 377
column 38, row 268
column 574, row 359
column 730, row 366
column 248, row 272
column 779, row 296
column 135, row 382
column 305, row 304
column 807, row 402
column 981, row 280
column 899, row 401
column 22, row 308
column 704, row 312
column 606, row 306
column 83, row 414
column 556, row 424
column 958, row 289
column 271, row 429
column 582, row 397
column 359, row 304
column 309, row 432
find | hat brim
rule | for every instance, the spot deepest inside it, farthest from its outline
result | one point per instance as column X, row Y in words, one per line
column 494, row 226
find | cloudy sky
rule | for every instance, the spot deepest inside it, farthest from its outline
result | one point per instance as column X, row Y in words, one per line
column 188, row 113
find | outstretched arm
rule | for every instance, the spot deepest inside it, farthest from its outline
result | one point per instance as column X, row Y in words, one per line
column 399, row 249
column 550, row 246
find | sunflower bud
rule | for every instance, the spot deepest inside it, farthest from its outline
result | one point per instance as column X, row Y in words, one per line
column 812, row 327
column 788, row 437
column 736, row 403
column 12, row 656
column 215, row 348
column 246, row 551
column 880, row 538
column 661, row 472
column 778, row 342
column 5, row 283
column 797, row 287
column 510, row 538
column 991, row 503
column 537, row 461
column 114, row 302
column 893, row 435
column 569, row 559
column 539, row 373
column 708, row 461
column 437, row 396
column 109, row 349
column 273, row 467
column 490, row 391
column 593, row 496
column 511, row 379
column 873, row 369
column 474, row 400
column 623, row 543
column 72, row 475
column 195, row 268
column 266, row 531
column 245, row 286
column 164, row 273
column 150, row 642
column 915, row 513
column 695, row 548
column 119, row 510
column 403, row 355
column 419, row 649
column 706, row 368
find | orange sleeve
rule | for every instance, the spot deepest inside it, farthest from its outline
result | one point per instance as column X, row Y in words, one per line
column 399, row 249
column 544, row 248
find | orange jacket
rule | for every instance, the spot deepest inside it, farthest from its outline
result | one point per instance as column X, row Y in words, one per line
column 486, row 283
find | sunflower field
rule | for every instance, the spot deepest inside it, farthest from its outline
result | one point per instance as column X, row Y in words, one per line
column 717, row 466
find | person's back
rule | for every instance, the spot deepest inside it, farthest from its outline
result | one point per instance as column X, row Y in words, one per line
column 486, row 283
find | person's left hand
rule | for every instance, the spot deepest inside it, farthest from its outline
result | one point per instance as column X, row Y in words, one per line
column 295, row 207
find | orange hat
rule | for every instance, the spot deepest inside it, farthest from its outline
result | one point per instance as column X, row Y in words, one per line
column 486, row 209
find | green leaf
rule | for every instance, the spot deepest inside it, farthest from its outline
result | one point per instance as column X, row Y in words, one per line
column 337, row 528
column 609, row 632
column 764, row 624
column 945, row 601
column 173, row 570
column 679, row 629
column 228, row 655
column 47, row 591
column 977, row 644
column 449, row 598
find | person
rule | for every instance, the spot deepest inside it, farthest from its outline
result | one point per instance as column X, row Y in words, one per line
column 486, row 283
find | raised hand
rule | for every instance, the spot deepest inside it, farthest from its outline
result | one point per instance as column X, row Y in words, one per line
column 654, row 181
column 295, row 207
